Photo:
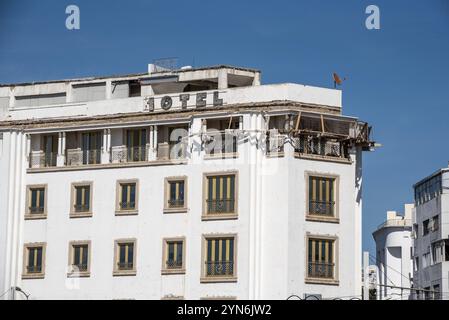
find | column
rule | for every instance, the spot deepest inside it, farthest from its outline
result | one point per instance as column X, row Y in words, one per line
column 60, row 161
column 222, row 79
column 106, row 148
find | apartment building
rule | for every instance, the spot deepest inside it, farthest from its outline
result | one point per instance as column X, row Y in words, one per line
column 394, row 255
column 431, row 236
column 192, row 183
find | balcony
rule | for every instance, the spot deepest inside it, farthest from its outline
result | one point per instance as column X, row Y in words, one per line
column 275, row 145
column 221, row 144
column 320, row 146
column 129, row 154
column 321, row 270
column 219, row 268
column 78, row 157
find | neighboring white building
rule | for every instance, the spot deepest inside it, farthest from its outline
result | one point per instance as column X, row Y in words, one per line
column 393, row 254
column 431, row 236
column 118, row 187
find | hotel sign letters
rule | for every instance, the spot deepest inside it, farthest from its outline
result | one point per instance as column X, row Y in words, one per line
column 184, row 101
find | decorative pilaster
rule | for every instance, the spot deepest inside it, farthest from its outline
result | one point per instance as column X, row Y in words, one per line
column 106, row 147
column 60, row 161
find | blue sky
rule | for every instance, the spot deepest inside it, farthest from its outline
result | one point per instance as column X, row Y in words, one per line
column 398, row 76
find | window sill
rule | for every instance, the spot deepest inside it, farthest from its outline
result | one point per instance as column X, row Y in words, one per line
column 173, row 271
column 232, row 155
column 30, row 216
column 331, row 282
column 217, row 279
column 175, row 210
column 126, row 213
column 80, row 215
column 316, row 218
column 321, row 158
column 219, row 216
column 119, row 273
column 33, row 276
column 78, row 274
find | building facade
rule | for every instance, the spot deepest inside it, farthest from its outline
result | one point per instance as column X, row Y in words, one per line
column 431, row 236
column 394, row 255
column 196, row 183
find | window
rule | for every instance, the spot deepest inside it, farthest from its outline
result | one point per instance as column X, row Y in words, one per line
column 36, row 208
column 81, row 200
column 322, row 195
column 125, row 257
column 49, row 147
column 428, row 189
column 219, row 258
column 127, row 197
column 173, row 256
column 91, row 147
column 220, row 196
column 321, row 258
column 426, row 227
column 79, row 259
column 435, row 223
column 175, row 194
column 34, row 261
column 436, row 292
column 426, row 260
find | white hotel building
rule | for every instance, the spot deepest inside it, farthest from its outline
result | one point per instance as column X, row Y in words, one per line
column 119, row 188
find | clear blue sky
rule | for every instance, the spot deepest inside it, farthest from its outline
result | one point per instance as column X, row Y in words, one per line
column 398, row 76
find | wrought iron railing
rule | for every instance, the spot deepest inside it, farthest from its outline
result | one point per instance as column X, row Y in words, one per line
column 219, row 268
column 36, row 210
column 34, row 269
column 125, row 265
column 82, row 207
column 275, row 144
column 324, row 208
column 135, row 154
column 79, row 267
column 321, row 270
column 176, row 203
column 174, row 264
column 220, row 206
column 92, row 156
column 42, row 159
column 124, row 205
column 321, row 146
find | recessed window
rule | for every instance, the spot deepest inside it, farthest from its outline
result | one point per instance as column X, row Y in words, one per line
column 36, row 199
column 174, row 254
column 219, row 258
column 127, row 197
column 321, row 262
column 34, row 261
column 175, row 194
column 79, row 259
column 125, row 257
column 81, row 200
column 220, row 196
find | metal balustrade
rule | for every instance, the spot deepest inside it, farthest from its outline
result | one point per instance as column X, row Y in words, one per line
column 221, row 143
column 219, row 268
column 324, row 208
column 127, row 205
column 40, row 159
column 80, row 267
column 34, row 269
column 176, row 203
column 36, row 210
column 174, row 264
column 312, row 145
column 82, row 207
column 321, row 270
column 220, row 205
column 125, row 265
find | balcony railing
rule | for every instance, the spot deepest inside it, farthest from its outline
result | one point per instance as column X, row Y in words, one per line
column 275, row 144
column 34, row 269
column 321, row 270
column 82, row 208
column 36, row 210
column 220, row 206
column 127, row 205
column 221, row 143
column 219, row 268
column 322, row 208
column 125, row 265
column 176, row 203
column 311, row 145
column 41, row 159
column 129, row 154
column 77, row 157
column 174, row 264
column 79, row 267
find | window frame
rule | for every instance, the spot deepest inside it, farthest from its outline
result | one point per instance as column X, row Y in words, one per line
column 336, row 190
column 35, row 216
column 73, row 212
column 217, row 279
column 167, row 208
column 220, row 216
column 335, row 250
column 165, row 270
column 26, row 247
column 71, row 273
column 118, row 210
column 116, row 270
